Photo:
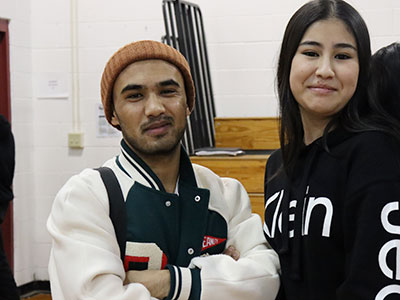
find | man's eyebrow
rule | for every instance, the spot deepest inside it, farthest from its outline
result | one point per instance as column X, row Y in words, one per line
column 169, row 82
column 131, row 87
column 338, row 45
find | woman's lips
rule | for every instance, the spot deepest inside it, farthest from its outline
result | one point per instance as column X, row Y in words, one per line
column 323, row 89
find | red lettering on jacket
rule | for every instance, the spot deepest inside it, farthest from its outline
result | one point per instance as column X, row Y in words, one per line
column 210, row 241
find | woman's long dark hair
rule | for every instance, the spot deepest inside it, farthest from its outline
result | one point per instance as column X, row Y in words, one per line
column 291, row 128
column 384, row 91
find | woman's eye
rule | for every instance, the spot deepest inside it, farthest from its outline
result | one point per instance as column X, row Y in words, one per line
column 310, row 53
column 342, row 56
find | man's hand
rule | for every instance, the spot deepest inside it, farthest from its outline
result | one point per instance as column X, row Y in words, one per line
column 156, row 281
column 232, row 252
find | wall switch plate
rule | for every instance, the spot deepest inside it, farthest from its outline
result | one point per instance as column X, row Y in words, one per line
column 75, row 140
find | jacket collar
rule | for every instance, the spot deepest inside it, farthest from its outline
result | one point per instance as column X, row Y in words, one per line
column 134, row 167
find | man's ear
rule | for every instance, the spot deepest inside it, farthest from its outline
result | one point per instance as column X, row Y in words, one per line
column 188, row 112
column 114, row 119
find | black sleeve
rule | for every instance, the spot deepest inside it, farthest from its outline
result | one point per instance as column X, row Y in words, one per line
column 273, row 168
column 372, row 225
column 7, row 164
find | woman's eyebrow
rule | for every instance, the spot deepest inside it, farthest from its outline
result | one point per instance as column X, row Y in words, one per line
column 338, row 45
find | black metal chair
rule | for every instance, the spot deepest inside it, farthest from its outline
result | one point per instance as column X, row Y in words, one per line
column 185, row 32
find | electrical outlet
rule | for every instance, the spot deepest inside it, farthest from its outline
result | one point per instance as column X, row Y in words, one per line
column 75, row 140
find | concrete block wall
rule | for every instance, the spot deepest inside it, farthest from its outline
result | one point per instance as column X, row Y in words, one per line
column 243, row 39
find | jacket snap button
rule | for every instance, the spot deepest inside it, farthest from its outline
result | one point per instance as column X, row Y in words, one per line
column 190, row 251
column 197, row 198
column 167, row 203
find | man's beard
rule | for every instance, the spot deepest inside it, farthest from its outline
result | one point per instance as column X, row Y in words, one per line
column 161, row 148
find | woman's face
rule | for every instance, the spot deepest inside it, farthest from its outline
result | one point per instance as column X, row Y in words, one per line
column 324, row 70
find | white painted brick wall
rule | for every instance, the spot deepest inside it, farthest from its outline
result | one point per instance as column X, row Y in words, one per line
column 396, row 25
column 243, row 43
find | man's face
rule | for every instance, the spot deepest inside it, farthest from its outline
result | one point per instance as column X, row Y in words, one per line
column 150, row 106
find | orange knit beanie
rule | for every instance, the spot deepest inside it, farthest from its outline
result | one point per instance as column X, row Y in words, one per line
column 137, row 51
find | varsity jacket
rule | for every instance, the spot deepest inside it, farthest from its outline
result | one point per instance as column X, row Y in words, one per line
column 336, row 222
column 185, row 232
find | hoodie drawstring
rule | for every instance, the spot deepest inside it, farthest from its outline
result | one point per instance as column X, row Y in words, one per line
column 297, row 249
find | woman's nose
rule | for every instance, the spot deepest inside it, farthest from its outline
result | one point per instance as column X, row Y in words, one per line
column 325, row 68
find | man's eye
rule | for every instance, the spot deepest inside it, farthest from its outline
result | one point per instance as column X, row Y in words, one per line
column 168, row 92
column 134, row 96
column 310, row 53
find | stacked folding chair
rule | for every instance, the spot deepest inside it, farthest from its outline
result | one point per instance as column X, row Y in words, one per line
column 185, row 32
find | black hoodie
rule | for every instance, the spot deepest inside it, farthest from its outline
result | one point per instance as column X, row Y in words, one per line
column 336, row 222
column 7, row 163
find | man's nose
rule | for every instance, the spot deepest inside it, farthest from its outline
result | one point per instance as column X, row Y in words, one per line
column 154, row 105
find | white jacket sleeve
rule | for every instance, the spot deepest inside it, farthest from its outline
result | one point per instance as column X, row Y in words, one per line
column 256, row 274
column 85, row 260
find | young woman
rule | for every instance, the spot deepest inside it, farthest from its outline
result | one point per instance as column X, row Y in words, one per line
column 333, row 189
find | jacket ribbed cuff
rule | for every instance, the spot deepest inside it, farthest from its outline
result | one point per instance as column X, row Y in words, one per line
column 185, row 283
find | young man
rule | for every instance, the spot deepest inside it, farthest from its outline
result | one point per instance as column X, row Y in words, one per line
column 180, row 217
